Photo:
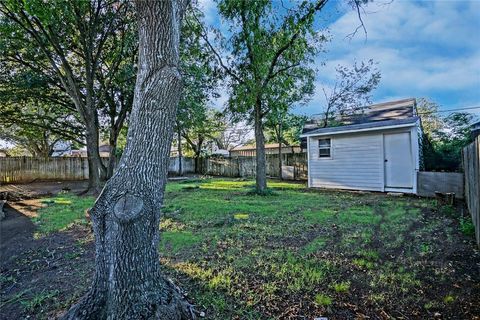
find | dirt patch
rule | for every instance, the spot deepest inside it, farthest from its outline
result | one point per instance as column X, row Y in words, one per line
column 40, row 189
column 16, row 233
column 51, row 271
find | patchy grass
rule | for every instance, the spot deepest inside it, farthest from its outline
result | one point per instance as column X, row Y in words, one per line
column 61, row 212
column 341, row 287
column 174, row 241
column 467, row 227
column 298, row 252
column 38, row 300
column 323, row 300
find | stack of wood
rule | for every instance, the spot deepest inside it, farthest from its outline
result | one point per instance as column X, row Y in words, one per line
column 445, row 198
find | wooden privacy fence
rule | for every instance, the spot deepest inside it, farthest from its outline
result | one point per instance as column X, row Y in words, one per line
column 294, row 166
column 471, row 165
column 27, row 169
column 188, row 165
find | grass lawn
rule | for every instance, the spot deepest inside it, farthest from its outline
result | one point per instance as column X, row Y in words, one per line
column 306, row 253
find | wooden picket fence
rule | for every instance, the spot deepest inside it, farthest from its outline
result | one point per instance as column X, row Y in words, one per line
column 471, row 165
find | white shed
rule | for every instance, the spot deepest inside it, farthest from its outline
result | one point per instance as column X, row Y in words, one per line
column 380, row 153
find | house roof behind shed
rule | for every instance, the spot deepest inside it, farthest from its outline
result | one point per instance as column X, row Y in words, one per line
column 393, row 110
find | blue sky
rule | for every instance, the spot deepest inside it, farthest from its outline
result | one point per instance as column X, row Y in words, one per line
column 423, row 48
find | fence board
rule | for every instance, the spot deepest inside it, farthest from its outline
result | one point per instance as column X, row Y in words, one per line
column 471, row 165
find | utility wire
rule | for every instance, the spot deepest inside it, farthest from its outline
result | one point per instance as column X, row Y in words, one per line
column 428, row 112
column 451, row 110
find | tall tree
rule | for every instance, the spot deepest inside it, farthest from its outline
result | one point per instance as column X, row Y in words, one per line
column 34, row 113
column 200, row 76
column 268, row 41
column 128, row 282
column 352, row 89
column 67, row 40
column 283, row 128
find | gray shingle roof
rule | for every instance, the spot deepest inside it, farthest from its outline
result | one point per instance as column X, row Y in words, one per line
column 363, row 126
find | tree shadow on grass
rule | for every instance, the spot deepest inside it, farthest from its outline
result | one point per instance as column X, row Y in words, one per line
column 41, row 277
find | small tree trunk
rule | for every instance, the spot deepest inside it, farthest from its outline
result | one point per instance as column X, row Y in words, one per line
column 112, row 157
column 180, row 171
column 196, row 162
column 280, row 160
column 261, row 174
column 280, row 151
column 94, row 161
column 128, row 283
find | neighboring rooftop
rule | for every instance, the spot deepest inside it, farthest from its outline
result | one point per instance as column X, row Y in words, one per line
column 392, row 110
column 252, row 146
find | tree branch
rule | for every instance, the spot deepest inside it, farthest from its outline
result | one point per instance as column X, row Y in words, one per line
column 204, row 36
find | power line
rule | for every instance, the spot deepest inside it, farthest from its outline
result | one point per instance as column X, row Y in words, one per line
column 428, row 112
column 451, row 110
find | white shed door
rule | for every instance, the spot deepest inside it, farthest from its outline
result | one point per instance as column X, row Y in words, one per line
column 398, row 160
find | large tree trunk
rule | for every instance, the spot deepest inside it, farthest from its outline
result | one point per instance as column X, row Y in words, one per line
column 128, row 283
column 261, row 173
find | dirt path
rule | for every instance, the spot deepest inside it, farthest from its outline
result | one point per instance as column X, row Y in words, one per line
column 35, row 271
column 16, row 235
column 43, row 188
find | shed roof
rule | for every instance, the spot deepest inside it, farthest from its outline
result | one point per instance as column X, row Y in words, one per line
column 367, row 126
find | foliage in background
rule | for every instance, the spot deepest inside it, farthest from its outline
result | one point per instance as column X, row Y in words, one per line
column 444, row 137
column 197, row 122
column 286, row 129
column 351, row 91
column 86, row 50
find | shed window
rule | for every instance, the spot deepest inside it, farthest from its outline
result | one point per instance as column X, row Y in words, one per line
column 324, row 148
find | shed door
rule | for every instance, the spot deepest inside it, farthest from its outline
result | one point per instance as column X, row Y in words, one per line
column 398, row 160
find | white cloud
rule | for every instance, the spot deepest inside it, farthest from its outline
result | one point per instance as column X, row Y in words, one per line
column 423, row 48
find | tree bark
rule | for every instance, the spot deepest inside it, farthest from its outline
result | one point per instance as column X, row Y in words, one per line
column 261, row 174
column 112, row 155
column 280, row 150
column 128, row 283
column 179, row 135
column 95, row 165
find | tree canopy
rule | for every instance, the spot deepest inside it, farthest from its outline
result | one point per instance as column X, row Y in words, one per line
column 443, row 136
